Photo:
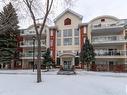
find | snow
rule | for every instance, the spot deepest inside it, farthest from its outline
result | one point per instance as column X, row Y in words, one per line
column 23, row 82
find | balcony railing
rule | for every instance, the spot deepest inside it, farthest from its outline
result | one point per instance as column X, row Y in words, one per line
column 110, row 52
column 30, row 54
column 106, row 39
column 30, row 33
column 31, row 45
column 101, row 26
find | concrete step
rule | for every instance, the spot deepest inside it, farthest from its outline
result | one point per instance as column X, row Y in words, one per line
column 66, row 72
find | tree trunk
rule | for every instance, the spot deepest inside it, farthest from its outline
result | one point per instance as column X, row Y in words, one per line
column 39, row 60
column 87, row 64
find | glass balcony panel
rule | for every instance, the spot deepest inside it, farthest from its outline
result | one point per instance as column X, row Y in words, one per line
column 108, row 38
column 110, row 52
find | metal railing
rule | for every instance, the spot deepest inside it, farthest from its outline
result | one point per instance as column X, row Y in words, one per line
column 27, row 44
column 110, row 38
column 101, row 26
column 110, row 52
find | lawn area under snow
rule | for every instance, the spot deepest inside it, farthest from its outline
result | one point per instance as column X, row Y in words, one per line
column 23, row 82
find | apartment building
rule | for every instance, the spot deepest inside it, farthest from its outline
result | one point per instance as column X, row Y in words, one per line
column 108, row 36
column 65, row 39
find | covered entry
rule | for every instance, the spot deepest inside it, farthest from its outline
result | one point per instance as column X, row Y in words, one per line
column 67, row 61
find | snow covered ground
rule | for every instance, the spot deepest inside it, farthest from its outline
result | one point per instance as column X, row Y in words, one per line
column 23, row 82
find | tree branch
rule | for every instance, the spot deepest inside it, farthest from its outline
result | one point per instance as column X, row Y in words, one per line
column 32, row 14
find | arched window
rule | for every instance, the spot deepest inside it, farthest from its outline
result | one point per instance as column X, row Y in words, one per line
column 67, row 21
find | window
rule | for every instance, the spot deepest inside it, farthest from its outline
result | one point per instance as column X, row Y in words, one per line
column 22, row 31
column 77, row 41
column 102, row 20
column 58, row 42
column 58, row 53
column 59, row 33
column 31, row 31
column 67, row 21
column 67, row 32
column 76, row 32
column 30, row 42
column 30, row 51
column 67, row 41
column 42, row 52
column 43, row 42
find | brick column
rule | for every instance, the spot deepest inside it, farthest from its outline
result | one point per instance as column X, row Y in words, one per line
column 53, row 43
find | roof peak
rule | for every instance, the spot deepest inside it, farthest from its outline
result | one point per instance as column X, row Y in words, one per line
column 70, row 11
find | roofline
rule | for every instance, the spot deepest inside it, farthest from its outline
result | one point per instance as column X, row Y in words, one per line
column 82, row 24
column 68, row 10
column 104, row 16
column 37, row 24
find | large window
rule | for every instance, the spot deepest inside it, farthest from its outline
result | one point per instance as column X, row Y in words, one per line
column 59, row 33
column 77, row 41
column 58, row 42
column 67, row 41
column 76, row 32
column 67, row 32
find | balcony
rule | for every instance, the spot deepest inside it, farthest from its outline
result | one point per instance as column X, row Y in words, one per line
column 111, row 53
column 107, row 28
column 29, row 55
column 109, row 39
column 29, row 43
column 30, row 33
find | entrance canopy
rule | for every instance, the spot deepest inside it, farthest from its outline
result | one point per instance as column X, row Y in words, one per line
column 67, row 55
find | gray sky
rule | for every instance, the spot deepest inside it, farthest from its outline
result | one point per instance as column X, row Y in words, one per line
column 93, row 8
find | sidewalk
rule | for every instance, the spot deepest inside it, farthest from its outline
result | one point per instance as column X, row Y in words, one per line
column 28, row 72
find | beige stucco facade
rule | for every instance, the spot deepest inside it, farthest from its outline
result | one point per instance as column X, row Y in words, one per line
column 74, row 25
column 107, row 34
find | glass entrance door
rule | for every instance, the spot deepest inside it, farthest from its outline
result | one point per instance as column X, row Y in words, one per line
column 67, row 65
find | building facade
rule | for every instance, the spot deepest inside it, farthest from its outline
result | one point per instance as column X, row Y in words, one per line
column 65, row 39
column 108, row 36
column 29, row 45
column 69, row 37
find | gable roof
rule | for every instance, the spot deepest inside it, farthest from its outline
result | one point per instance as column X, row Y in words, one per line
column 68, row 11
column 104, row 16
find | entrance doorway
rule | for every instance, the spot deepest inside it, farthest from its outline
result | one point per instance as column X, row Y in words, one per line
column 111, row 63
column 67, row 65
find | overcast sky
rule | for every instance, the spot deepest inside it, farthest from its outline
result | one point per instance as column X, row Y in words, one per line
column 90, row 9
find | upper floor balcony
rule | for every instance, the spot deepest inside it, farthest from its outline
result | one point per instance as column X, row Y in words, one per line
column 29, row 55
column 114, row 27
column 111, row 53
column 109, row 39
column 30, row 33
column 31, row 44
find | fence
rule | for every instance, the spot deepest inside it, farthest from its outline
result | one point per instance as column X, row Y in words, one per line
column 111, row 68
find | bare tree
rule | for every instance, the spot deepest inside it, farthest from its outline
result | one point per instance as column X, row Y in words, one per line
column 29, row 4
column 32, row 6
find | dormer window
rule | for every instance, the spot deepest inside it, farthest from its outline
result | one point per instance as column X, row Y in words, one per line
column 67, row 21
column 102, row 20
